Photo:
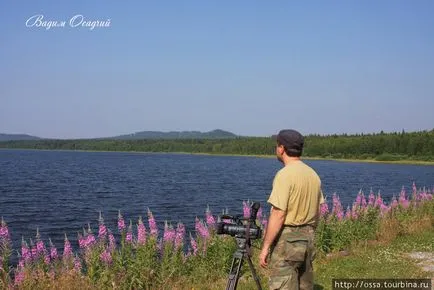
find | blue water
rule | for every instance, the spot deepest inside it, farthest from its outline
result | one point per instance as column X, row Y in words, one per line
column 62, row 191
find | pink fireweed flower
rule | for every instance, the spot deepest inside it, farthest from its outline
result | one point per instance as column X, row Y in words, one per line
column 210, row 220
column 371, row 200
column 112, row 241
column 67, row 249
column 153, row 229
column 141, row 232
column 169, row 233
column 378, row 201
column 82, row 239
column 90, row 238
column 106, row 257
column 53, row 251
column 129, row 237
column 40, row 247
column 364, row 203
column 324, row 209
column 246, row 209
column 179, row 237
column 25, row 251
column 102, row 229
column 193, row 245
column 33, row 250
column 77, row 264
column 393, row 203
column 403, row 200
column 19, row 277
column 355, row 212
column 348, row 213
column 121, row 223
column 384, row 209
column 201, row 229
column 337, row 209
column 358, row 201
column 4, row 231
column 47, row 258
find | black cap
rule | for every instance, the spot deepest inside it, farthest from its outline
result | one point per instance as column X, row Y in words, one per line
column 292, row 140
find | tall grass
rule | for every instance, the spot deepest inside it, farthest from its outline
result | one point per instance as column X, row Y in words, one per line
column 146, row 257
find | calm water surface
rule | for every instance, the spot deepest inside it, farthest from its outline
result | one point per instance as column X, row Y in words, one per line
column 62, row 191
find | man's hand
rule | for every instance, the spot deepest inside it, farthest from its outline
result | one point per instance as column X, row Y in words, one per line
column 263, row 257
column 275, row 222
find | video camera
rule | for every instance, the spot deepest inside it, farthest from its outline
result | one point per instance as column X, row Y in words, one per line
column 240, row 227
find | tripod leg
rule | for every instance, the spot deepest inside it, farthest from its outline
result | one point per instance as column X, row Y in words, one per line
column 254, row 273
column 234, row 273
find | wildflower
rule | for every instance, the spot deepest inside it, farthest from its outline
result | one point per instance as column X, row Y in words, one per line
column 4, row 231
column 337, row 207
column 77, row 264
column 193, row 245
column 394, row 203
column 348, row 213
column 210, row 220
column 46, row 258
column 324, row 209
column 19, row 277
column 129, row 237
column 384, row 209
column 153, row 229
column 40, row 247
column 246, row 209
column 121, row 222
column 378, row 201
column 106, row 256
column 102, row 229
column 53, row 251
column 201, row 229
column 364, row 204
column 358, row 202
column 112, row 241
column 25, row 252
column 82, row 239
column 355, row 212
column 67, row 250
column 90, row 238
column 179, row 237
column 33, row 250
column 371, row 200
column 414, row 189
column 403, row 200
column 141, row 232
column 169, row 233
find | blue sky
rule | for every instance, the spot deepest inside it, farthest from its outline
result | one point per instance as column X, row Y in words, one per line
column 249, row 67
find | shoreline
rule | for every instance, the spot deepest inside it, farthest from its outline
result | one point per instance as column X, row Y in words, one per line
column 404, row 161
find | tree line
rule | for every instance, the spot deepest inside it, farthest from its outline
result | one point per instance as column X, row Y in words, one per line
column 379, row 146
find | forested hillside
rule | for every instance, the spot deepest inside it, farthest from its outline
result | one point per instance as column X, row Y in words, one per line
column 381, row 146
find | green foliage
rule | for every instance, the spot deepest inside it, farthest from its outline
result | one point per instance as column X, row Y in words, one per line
column 381, row 147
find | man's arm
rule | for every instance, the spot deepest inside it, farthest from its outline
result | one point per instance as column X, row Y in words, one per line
column 275, row 222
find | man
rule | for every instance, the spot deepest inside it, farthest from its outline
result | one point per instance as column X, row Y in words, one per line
column 295, row 200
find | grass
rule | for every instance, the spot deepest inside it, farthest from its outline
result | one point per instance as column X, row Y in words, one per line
column 375, row 238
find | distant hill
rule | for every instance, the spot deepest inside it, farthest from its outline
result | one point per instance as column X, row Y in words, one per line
column 17, row 137
column 215, row 134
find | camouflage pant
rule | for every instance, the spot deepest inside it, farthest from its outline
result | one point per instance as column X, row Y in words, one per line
column 291, row 259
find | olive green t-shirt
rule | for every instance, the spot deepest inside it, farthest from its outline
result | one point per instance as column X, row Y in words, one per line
column 297, row 190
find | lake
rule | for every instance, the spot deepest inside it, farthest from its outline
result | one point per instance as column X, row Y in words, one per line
column 62, row 191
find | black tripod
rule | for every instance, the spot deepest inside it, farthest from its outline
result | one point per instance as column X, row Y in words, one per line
column 243, row 252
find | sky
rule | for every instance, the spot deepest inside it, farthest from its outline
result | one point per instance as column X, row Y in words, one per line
column 248, row 67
